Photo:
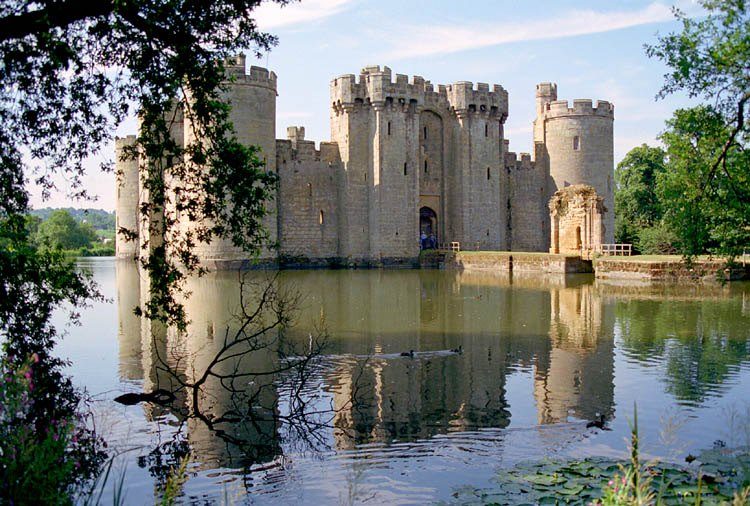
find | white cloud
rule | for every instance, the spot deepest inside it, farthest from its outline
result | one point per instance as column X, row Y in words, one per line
column 442, row 39
column 271, row 15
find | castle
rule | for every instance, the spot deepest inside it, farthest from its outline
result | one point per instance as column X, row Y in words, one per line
column 408, row 158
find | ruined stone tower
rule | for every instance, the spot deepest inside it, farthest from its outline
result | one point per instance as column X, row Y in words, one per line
column 577, row 145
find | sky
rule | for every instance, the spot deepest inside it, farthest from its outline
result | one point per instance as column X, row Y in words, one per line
column 591, row 49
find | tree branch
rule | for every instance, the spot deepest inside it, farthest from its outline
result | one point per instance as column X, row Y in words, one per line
column 56, row 15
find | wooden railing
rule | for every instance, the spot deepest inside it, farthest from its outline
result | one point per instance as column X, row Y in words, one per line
column 614, row 249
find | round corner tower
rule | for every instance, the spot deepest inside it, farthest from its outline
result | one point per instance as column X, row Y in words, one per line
column 252, row 97
column 126, row 199
column 578, row 145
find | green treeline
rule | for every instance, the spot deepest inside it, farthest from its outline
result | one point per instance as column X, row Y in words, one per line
column 79, row 232
column 692, row 195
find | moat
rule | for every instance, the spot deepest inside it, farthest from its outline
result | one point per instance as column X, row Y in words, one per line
column 541, row 354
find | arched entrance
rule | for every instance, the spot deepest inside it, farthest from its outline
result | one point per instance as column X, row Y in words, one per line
column 428, row 228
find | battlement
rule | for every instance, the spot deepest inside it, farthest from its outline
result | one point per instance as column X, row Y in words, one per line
column 121, row 142
column 547, row 91
column 375, row 86
column 297, row 149
column 581, row 107
column 514, row 163
column 236, row 70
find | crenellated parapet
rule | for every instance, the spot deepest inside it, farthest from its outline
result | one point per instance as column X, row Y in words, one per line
column 296, row 150
column 581, row 107
column 377, row 87
column 513, row 162
column 236, row 70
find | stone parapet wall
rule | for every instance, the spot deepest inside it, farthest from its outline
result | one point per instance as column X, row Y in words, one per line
column 508, row 261
column 669, row 269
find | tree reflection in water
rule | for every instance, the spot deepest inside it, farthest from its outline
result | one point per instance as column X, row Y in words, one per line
column 248, row 394
column 238, row 385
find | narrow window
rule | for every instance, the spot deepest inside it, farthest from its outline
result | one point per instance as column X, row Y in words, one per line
column 488, row 173
column 389, row 128
column 424, row 130
column 309, row 189
column 576, row 143
column 405, row 169
column 486, row 130
column 321, row 217
column 365, row 176
column 425, row 166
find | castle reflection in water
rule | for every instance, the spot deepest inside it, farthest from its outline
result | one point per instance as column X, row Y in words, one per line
column 558, row 329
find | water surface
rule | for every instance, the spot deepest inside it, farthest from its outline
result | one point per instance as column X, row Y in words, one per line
column 541, row 355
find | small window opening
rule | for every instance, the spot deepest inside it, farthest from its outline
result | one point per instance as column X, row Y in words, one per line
column 576, row 143
column 309, row 189
column 425, row 166
column 321, row 217
column 365, row 176
column 486, row 130
column 424, row 131
column 406, row 171
column 389, row 128
column 488, row 173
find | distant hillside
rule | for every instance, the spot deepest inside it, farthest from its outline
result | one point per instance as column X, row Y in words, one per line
column 98, row 218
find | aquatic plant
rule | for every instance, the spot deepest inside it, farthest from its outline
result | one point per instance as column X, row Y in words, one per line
column 718, row 476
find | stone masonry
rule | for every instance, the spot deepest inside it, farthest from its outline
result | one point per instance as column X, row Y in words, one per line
column 405, row 157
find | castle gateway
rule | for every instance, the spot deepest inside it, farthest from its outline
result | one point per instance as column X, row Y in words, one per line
column 407, row 160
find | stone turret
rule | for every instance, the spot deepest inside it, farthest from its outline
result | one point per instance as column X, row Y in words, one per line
column 578, row 146
column 126, row 204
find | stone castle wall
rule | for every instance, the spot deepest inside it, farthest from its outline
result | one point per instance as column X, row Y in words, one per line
column 400, row 146
column 526, row 204
column 308, row 202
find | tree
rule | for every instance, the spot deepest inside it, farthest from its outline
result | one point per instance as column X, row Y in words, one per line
column 70, row 72
column 62, row 230
column 709, row 59
column 83, row 64
column 713, row 217
column 637, row 204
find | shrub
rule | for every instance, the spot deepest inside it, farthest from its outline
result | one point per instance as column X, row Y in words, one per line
column 656, row 240
column 48, row 463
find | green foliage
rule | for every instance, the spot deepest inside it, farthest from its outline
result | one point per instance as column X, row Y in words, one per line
column 707, row 189
column 70, row 73
column 706, row 209
column 38, row 466
column 709, row 57
column 99, row 219
column 723, row 474
column 61, row 230
column 637, row 204
column 175, row 480
column 656, row 240
column 34, row 282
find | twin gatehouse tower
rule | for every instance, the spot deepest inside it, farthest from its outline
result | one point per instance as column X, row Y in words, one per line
column 407, row 158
